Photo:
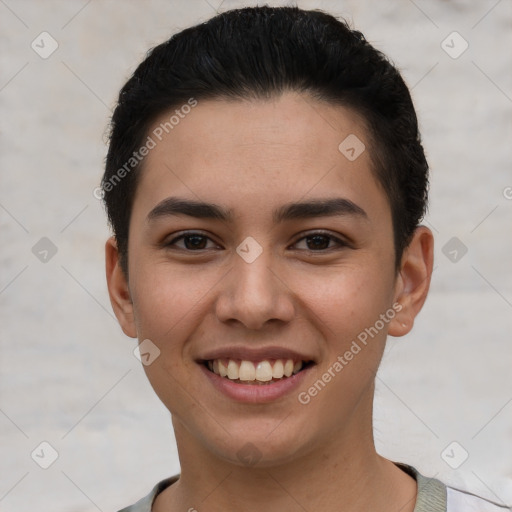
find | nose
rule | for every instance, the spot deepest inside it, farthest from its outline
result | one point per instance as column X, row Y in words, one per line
column 254, row 294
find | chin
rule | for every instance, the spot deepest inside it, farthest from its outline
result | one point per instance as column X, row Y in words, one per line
column 259, row 449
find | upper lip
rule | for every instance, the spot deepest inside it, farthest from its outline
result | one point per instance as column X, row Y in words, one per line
column 254, row 354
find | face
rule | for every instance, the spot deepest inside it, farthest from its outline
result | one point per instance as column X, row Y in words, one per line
column 288, row 267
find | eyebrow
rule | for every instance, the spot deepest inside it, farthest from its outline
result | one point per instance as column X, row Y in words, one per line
column 325, row 207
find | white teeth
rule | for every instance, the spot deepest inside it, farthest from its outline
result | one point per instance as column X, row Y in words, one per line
column 248, row 371
column 278, row 370
column 232, row 370
column 264, row 371
column 223, row 370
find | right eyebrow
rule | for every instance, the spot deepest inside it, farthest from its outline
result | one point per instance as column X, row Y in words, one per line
column 178, row 206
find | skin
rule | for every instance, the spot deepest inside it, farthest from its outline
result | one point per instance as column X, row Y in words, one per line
column 252, row 157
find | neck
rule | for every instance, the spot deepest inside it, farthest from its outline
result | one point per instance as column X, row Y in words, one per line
column 344, row 473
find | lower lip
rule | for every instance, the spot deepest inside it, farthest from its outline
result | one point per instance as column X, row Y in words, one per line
column 255, row 393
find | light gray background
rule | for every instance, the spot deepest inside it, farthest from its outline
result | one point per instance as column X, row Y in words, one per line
column 68, row 374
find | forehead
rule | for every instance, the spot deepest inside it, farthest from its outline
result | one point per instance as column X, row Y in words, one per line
column 254, row 153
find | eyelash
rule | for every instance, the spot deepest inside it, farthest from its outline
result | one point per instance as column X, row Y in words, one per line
column 340, row 243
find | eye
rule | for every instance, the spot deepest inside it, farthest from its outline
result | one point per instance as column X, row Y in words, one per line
column 315, row 242
column 192, row 241
column 319, row 241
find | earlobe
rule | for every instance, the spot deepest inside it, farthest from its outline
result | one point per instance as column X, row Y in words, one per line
column 118, row 289
column 413, row 281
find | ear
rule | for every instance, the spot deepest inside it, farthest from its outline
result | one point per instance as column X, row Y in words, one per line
column 118, row 289
column 413, row 281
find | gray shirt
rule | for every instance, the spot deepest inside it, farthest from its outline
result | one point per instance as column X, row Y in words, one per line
column 433, row 496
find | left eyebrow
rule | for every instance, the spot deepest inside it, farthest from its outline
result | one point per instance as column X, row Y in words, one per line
column 337, row 206
column 322, row 207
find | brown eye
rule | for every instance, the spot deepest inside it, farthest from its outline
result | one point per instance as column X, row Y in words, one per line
column 320, row 241
column 191, row 242
column 195, row 241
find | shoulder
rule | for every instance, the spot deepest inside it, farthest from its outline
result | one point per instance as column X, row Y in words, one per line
column 145, row 504
column 463, row 501
column 435, row 496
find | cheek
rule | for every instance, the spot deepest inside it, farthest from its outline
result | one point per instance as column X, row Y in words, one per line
column 168, row 308
column 348, row 309
column 346, row 300
column 165, row 299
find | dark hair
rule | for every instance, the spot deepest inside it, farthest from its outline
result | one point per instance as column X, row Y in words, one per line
column 260, row 52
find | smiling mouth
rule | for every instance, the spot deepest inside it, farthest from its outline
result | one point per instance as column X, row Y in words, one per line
column 262, row 372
